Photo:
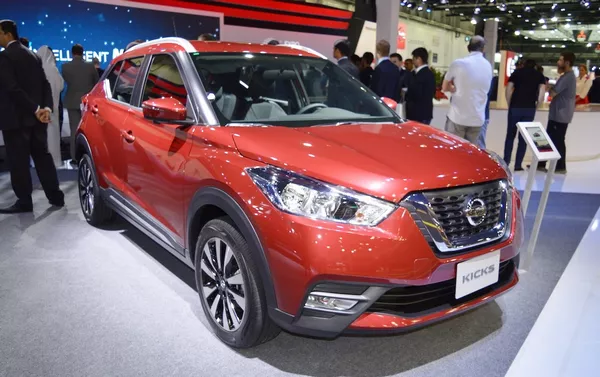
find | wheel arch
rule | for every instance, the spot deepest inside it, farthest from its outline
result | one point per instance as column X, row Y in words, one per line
column 82, row 146
column 211, row 202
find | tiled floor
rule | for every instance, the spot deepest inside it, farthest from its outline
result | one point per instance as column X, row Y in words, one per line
column 582, row 178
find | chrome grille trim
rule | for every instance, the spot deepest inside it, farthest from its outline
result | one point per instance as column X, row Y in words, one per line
column 439, row 214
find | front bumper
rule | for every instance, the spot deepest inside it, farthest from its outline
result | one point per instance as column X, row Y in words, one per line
column 395, row 309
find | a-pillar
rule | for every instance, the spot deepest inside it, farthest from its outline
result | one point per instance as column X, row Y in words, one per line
column 387, row 21
column 490, row 33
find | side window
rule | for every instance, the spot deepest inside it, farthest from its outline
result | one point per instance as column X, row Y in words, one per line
column 113, row 75
column 124, row 87
column 164, row 80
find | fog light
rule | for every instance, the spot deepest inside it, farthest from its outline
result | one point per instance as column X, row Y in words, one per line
column 329, row 303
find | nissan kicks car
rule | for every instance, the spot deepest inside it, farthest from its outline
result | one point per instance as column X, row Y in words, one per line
column 300, row 198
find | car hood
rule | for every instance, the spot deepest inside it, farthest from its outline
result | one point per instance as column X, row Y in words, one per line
column 382, row 160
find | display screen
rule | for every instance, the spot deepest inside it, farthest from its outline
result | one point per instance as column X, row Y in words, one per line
column 104, row 30
column 540, row 141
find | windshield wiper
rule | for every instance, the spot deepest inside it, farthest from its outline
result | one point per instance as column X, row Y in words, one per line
column 235, row 124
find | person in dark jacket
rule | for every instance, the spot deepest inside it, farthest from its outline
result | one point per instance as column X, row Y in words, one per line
column 341, row 51
column 366, row 71
column 421, row 89
column 25, row 105
column 386, row 77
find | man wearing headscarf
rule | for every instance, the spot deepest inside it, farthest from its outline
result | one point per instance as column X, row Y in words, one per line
column 57, row 84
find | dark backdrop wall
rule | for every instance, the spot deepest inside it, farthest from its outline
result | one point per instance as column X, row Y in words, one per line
column 104, row 30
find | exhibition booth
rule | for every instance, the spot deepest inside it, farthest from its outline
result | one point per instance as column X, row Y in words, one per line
column 320, row 232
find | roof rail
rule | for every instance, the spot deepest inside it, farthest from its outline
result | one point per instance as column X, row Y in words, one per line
column 305, row 49
column 176, row 40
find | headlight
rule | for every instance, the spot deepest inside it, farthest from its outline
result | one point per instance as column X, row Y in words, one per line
column 304, row 196
column 496, row 157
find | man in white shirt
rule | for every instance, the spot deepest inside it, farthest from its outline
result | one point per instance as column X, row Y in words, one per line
column 469, row 80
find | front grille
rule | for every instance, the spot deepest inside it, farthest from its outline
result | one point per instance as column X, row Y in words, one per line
column 413, row 301
column 449, row 208
column 461, row 218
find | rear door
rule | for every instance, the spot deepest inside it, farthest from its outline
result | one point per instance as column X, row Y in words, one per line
column 159, row 150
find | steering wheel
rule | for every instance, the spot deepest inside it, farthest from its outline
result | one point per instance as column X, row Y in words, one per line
column 312, row 106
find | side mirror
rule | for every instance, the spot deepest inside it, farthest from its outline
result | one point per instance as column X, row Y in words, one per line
column 390, row 102
column 164, row 110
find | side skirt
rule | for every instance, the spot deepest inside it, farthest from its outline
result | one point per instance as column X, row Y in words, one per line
column 146, row 224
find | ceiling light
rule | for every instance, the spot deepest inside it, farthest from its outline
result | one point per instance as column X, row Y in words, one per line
column 447, row 9
column 568, row 20
column 473, row 21
column 462, row 14
column 543, row 46
column 526, row 20
column 541, row 21
column 517, row 32
column 477, row 10
column 544, row 26
column 533, row 24
column 420, row 8
column 567, row 26
column 527, row 8
column 563, row 46
column 531, row 31
column 519, row 16
column 554, row 6
column 553, row 46
column 547, row 39
column 428, row 10
column 554, row 19
column 565, row 39
column 588, row 45
column 569, row 14
column 496, row 19
column 485, row 19
column 510, row 11
column 526, row 37
column 562, row 9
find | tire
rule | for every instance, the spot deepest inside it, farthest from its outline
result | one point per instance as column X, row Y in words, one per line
column 93, row 207
column 230, row 288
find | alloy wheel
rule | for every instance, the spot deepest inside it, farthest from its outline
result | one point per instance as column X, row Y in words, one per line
column 222, row 284
column 86, row 188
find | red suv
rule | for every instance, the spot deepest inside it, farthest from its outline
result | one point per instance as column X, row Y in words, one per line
column 299, row 197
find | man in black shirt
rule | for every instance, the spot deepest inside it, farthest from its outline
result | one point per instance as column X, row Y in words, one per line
column 524, row 93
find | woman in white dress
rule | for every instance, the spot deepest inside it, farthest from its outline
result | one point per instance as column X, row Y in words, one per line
column 57, row 84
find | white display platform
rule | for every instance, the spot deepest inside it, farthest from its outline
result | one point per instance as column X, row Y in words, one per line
column 582, row 134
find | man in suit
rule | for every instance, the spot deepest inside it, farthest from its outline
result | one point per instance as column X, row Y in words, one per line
column 398, row 61
column 25, row 103
column 80, row 77
column 421, row 89
column 341, row 51
column 386, row 77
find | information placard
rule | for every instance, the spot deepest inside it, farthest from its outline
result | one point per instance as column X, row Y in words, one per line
column 536, row 137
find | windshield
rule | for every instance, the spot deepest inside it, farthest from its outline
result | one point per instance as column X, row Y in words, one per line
column 286, row 90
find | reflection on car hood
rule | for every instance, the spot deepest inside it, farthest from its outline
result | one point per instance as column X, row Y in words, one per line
column 383, row 160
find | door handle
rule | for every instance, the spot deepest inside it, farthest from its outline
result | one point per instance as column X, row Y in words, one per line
column 128, row 136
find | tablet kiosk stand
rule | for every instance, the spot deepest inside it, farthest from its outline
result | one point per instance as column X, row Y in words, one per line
column 541, row 152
